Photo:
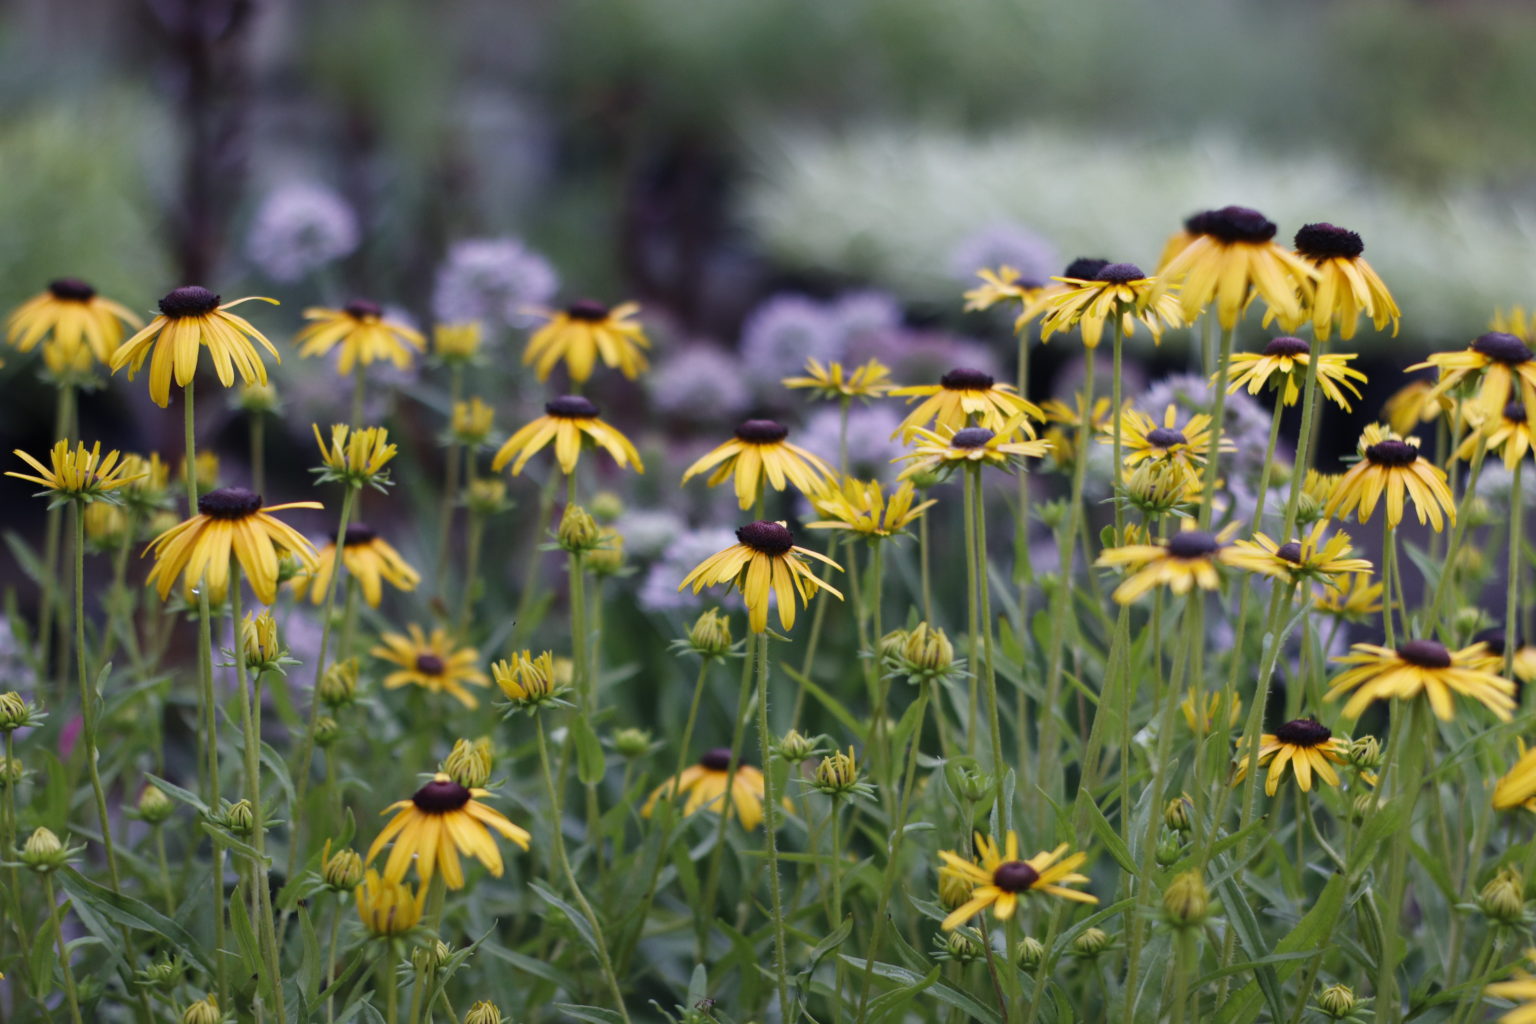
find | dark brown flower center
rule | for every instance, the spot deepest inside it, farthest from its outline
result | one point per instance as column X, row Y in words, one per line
column 571, row 407
column 1494, row 638
column 761, row 431
column 1084, row 268
column 1328, row 241
column 440, row 796
column 587, row 311
column 190, row 300
column 961, row 379
column 1392, row 453
column 1303, row 732
column 1425, row 653
column 357, row 533
column 1287, row 346
column 1119, row 273
column 364, row 309
column 971, row 437
column 1515, row 412
column 71, row 289
column 1165, row 437
column 1237, row 224
column 1014, row 876
column 766, row 538
column 1192, row 544
column 1195, row 223
column 1502, row 348
column 1289, row 552
column 717, row 759
column 229, row 503
column 429, row 664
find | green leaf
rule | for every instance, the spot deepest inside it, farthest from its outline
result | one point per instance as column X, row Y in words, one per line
column 1113, row 844
column 698, row 985
column 44, row 955
column 1310, row 935
column 245, row 938
column 590, row 764
column 175, row 792
column 1246, row 925
column 940, row 991
column 578, row 921
column 899, row 999
column 594, row 1014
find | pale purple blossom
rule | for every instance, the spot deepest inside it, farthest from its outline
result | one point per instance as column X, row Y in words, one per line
column 300, row 228
column 781, row 334
column 493, row 280
column 659, row 592
column 699, row 384
column 999, row 244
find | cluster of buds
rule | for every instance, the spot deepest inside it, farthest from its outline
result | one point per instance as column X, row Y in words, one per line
column 338, row 686
column 355, row 456
column 578, row 531
column 922, row 654
column 710, row 636
column 17, row 713
column 530, row 682
column 470, row 762
column 838, row 776
column 260, row 647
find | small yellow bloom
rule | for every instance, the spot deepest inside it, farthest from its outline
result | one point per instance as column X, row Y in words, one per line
column 964, row 398
column 1185, row 561
column 1001, row 877
column 760, row 454
column 229, row 522
column 73, row 317
column 860, row 507
column 456, row 343
column 585, row 332
column 78, row 473
column 1422, row 667
column 1284, row 362
column 355, row 455
column 710, row 786
column 432, row 663
column 1118, row 290
column 471, row 422
column 1391, row 466
column 567, row 421
column 1295, row 561
column 1306, row 746
column 1347, row 285
column 942, row 451
column 363, row 333
column 440, row 821
column 1414, row 403
column 1508, row 434
column 191, row 318
column 832, row 381
column 389, row 908
column 1503, row 366
column 369, row 559
column 1232, row 258
column 766, row 566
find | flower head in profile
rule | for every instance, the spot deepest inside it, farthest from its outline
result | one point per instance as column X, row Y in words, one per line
column 369, row 559
column 833, row 382
column 710, row 785
column 1521, row 990
column 1306, row 746
column 760, row 454
column 940, row 452
column 78, row 473
column 1062, row 422
column 1231, row 257
column 1347, row 285
column 192, row 318
column 1508, row 434
column 584, row 332
column 1422, row 668
column 230, row 521
column 1501, row 365
column 432, row 662
column 1008, row 284
column 1353, row 597
column 862, row 508
column 1517, row 787
column 1522, row 659
column 1001, row 877
column 389, row 908
column 529, row 681
column 1310, row 558
column 364, row 334
column 457, row 344
column 1180, row 448
column 1183, row 562
column 73, row 318
column 1119, row 292
column 569, row 422
column 355, row 456
column 964, row 398
column 766, row 565
column 440, row 821
column 1391, row 466
column 1414, row 403
column 1283, row 364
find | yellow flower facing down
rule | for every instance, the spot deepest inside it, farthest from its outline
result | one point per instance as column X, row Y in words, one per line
column 832, row 381
column 1508, row 434
column 1295, row 561
column 1422, row 668
column 354, row 455
column 1062, row 421
column 861, row 507
column 1390, row 466
column 1185, row 561
column 1520, row 990
column 964, row 398
column 369, row 558
column 1306, row 746
column 942, row 451
column 456, row 343
column 710, row 786
column 1347, row 285
column 1412, row 404
column 527, row 680
column 1502, row 365
column 1283, row 364
column 585, row 332
column 567, row 421
column 229, row 521
column 78, row 473
column 765, row 565
column 388, row 908
column 191, row 318
column 440, row 821
column 1001, row 877
column 1522, row 662
column 432, row 663
column 1353, row 597
column 364, row 334
column 1005, row 284
column 1232, row 258
column 1182, row 449
column 760, row 453
column 74, row 317
column 470, row 422
column 1117, row 290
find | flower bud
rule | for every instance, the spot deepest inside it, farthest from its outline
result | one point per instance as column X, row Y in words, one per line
column 925, row 655
column 578, row 530
column 258, row 398
column 1363, row 807
column 954, row 889
column 1169, row 849
column 207, row 471
column 528, row 682
column 838, row 773
column 796, row 748
column 486, row 496
column 923, row 479
column 343, row 870
column 1365, row 753
column 106, row 525
column 338, row 687
column 456, row 343
column 431, row 957
column 162, row 974
column 1468, row 620
column 968, row 781
column 154, row 806
column 1502, row 900
column 327, row 731
column 468, row 764
column 1336, row 1001
column 240, row 818
column 1089, row 943
column 14, row 712
column 890, row 646
column 961, row 946
column 607, row 557
column 204, row 1011
column 258, row 642
column 710, row 636
column 44, row 852
column 1185, row 901
column 483, row 1012
column 1030, row 953
column 606, row 507
column 355, row 455
column 470, row 422
column 12, row 771
column 631, row 742
column 1177, row 814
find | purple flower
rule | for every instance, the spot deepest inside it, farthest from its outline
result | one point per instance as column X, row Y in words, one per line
column 997, row 244
column 494, row 281
column 699, row 384
column 781, row 334
column 298, row 229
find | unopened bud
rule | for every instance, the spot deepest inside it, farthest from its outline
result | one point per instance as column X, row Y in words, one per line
column 258, row 642
column 954, row 889
column 1363, row 807
column 1365, row 753
column 796, row 748
column 1089, row 943
column 1336, row 1001
column 204, row 1011
column 710, row 636
column 607, row 556
column 240, row 818
column 483, row 1012
column 106, row 525
column 838, row 773
column 890, row 646
column 1177, row 814
column 578, row 530
column 257, row 397
column 968, row 781
column 431, row 957
column 1502, row 900
column 962, row 947
column 1185, row 901
column 631, row 742
column 923, row 479
column 12, row 771
column 343, row 871
column 1169, row 849
column 44, row 852
column 14, row 712
column 338, row 687
column 486, row 496
column 1030, row 953
column 162, row 973
column 468, row 764
column 154, row 806
column 607, row 506
column 327, row 731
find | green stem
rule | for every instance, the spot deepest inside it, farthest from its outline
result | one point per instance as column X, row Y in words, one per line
column 56, row 913
column 330, row 962
column 1115, row 400
column 716, row 853
column 359, row 390
column 528, row 594
column 771, row 809
column 88, row 697
column 1410, row 779
column 1304, row 441
column 63, row 415
column 1390, row 571
column 1218, row 422
column 980, row 586
column 450, row 485
column 1453, row 550
column 1512, row 582
column 924, row 568
column 258, row 452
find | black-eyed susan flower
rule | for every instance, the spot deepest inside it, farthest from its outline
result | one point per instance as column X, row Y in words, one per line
column 760, row 453
column 191, row 318
column 1353, row 597
column 365, row 335
column 355, row 455
column 229, row 521
column 832, row 381
column 1517, row 787
column 1424, row 668
column 1391, row 466
column 709, row 785
column 942, row 451
column 1522, row 661
column 1118, row 290
column 431, row 662
column 71, row 314
column 1283, row 364
column 529, row 681
column 1232, row 258
column 567, row 421
column 584, row 332
column 959, row 396
column 1305, row 745
column 440, row 821
column 1005, row 284
column 456, row 344
column 1001, row 877
column 386, row 908
column 1520, row 990
column 369, row 558
column 1414, row 403
column 1310, row 558
column 862, row 507
column 1502, row 365
column 1508, row 434
column 1346, row 285
column 1062, row 422
column 765, row 564
column 1182, row 448
column 1185, row 561
column 77, row 473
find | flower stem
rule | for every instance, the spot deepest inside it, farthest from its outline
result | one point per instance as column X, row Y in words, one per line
column 1114, row 414
column 1218, row 423
column 63, row 416
column 1303, row 442
column 717, row 851
column 55, row 915
column 981, row 591
column 759, row 643
column 88, row 697
column 1410, row 778
column 450, row 486
column 1512, row 582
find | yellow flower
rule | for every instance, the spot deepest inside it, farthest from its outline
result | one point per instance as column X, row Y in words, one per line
column 1004, row 284
column 1295, row 561
column 68, row 363
column 369, row 558
column 1203, row 710
column 1183, row 562
column 566, row 421
column 74, row 317
column 1422, row 667
column 1182, row 449
column 1502, row 364
column 440, row 821
column 388, row 908
column 1353, row 597
column 833, row 381
column 528, row 680
column 1391, row 466
column 945, row 450
column 1285, row 359
column 1523, row 662
column 471, row 421
column 432, row 663
column 230, row 520
column 1001, row 876
column 710, row 786
column 1508, row 433
column 191, row 318
column 1521, row 989
column 1232, row 258
column 456, row 343
column 764, row 564
column 79, row 473
column 363, row 333
column 860, row 507
column 960, row 395
column 1117, row 290
column 760, row 453
column 1517, row 787
column 1062, row 421
column 1414, row 403
column 356, row 456
column 585, row 332
column 1306, row 746
column 1346, row 284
